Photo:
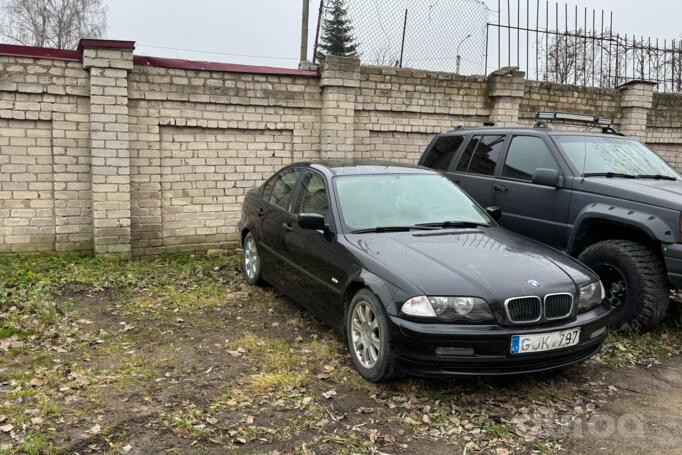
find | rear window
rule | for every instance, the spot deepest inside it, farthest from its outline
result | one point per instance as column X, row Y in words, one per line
column 481, row 155
column 443, row 151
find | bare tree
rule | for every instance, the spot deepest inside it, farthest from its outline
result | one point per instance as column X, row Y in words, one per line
column 385, row 56
column 51, row 23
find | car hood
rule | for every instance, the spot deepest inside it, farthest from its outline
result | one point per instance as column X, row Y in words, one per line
column 662, row 193
column 490, row 263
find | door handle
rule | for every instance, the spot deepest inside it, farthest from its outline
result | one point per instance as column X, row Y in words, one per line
column 500, row 188
column 287, row 227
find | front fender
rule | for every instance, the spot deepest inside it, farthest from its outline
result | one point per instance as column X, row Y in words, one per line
column 387, row 293
column 652, row 225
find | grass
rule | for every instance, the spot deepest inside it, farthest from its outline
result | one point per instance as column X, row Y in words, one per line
column 627, row 347
column 152, row 316
column 37, row 295
column 36, row 291
column 34, row 444
column 285, row 364
column 267, row 382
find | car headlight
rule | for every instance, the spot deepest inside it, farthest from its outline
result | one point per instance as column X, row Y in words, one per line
column 591, row 296
column 450, row 309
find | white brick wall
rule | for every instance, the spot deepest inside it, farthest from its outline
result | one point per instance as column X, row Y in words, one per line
column 204, row 175
column 26, row 186
column 167, row 154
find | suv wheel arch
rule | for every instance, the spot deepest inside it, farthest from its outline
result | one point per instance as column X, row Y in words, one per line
column 599, row 225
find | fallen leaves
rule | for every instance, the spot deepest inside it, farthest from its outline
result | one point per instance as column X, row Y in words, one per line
column 11, row 342
column 36, row 382
column 237, row 352
column 204, row 396
column 329, row 394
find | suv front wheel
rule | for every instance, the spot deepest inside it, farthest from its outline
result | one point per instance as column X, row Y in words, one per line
column 634, row 280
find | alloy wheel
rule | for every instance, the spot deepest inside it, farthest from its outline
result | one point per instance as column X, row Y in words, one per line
column 251, row 258
column 365, row 335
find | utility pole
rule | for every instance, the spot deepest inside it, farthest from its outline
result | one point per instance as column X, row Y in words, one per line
column 304, row 33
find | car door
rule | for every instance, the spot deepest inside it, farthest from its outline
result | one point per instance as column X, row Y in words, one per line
column 474, row 170
column 276, row 214
column 313, row 253
column 536, row 211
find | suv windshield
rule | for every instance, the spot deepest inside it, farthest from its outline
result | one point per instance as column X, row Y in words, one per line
column 613, row 156
column 385, row 201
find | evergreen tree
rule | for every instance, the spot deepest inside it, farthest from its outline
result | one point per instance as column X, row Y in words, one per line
column 337, row 32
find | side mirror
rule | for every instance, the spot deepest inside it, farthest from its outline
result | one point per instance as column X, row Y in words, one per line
column 547, row 177
column 494, row 212
column 313, row 221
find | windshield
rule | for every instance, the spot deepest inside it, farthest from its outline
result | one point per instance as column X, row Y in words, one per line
column 603, row 155
column 385, row 200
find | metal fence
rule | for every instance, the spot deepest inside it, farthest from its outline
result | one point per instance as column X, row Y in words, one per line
column 436, row 35
column 561, row 43
column 548, row 40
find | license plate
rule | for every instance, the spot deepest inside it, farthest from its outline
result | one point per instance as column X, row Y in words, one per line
column 524, row 344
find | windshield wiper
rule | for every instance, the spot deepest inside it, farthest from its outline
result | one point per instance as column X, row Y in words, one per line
column 656, row 177
column 392, row 229
column 609, row 175
column 454, row 224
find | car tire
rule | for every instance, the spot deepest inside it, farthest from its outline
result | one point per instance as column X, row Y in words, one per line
column 646, row 292
column 379, row 363
column 251, row 261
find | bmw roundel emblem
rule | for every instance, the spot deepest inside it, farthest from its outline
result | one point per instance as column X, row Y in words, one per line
column 533, row 283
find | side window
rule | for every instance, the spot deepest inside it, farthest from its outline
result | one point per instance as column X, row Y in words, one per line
column 484, row 153
column 464, row 161
column 267, row 188
column 525, row 155
column 283, row 186
column 442, row 152
column 313, row 198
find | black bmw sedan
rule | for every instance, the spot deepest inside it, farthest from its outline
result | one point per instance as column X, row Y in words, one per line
column 416, row 275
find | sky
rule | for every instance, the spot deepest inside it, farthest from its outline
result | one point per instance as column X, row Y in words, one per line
column 267, row 32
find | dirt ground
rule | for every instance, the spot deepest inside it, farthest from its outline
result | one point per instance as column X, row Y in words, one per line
column 648, row 407
column 177, row 355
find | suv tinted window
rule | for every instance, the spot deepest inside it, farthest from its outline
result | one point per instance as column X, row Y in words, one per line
column 312, row 197
column 525, row 155
column 283, row 186
column 481, row 155
column 442, row 152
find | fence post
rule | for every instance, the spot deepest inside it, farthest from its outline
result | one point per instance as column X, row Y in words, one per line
column 635, row 104
column 109, row 63
column 340, row 79
column 506, row 88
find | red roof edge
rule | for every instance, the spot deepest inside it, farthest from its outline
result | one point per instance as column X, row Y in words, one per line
column 77, row 56
column 216, row 66
column 105, row 44
column 39, row 52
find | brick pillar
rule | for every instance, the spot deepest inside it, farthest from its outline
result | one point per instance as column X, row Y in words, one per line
column 635, row 103
column 506, row 88
column 109, row 63
column 340, row 79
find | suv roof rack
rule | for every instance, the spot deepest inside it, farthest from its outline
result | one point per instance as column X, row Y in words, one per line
column 605, row 123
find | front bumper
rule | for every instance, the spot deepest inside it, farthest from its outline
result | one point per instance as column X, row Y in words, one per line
column 417, row 342
column 672, row 255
